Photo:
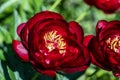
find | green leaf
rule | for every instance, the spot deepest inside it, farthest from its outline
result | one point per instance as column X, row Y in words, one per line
column 1, row 38
column 70, row 76
column 35, row 76
column 17, row 21
column 2, row 76
column 25, row 4
column 7, row 4
column 11, row 73
column 2, row 56
column 82, row 77
column 61, row 77
column 6, row 34
column 38, row 4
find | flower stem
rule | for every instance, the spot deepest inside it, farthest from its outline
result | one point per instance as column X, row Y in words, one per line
column 35, row 76
column 94, row 72
column 84, row 13
column 81, row 16
column 55, row 5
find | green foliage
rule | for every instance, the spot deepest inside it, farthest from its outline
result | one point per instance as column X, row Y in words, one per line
column 14, row 12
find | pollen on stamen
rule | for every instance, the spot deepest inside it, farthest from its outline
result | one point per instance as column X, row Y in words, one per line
column 114, row 43
column 53, row 41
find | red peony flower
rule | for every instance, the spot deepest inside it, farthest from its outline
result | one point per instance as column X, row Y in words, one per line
column 51, row 44
column 105, row 46
column 108, row 6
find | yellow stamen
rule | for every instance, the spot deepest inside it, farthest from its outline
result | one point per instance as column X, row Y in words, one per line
column 54, row 40
column 114, row 44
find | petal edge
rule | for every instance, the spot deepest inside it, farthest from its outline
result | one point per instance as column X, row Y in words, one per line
column 20, row 50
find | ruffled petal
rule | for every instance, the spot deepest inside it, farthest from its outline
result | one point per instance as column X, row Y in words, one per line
column 87, row 40
column 76, row 31
column 20, row 50
column 73, row 70
column 35, row 19
column 80, row 64
column 98, row 57
column 36, row 35
column 48, row 72
column 45, row 72
column 100, row 25
column 76, row 58
column 19, row 28
column 105, row 29
column 108, row 6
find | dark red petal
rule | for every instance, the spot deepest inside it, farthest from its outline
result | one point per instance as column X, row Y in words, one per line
column 86, row 56
column 81, row 62
column 38, row 31
column 113, row 24
column 73, row 52
column 98, row 57
column 50, row 25
column 37, row 18
column 87, row 40
column 49, row 60
column 73, row 70
column 105, row 29
column 19, row 28
column 76, row 57
column 77, row 31
column 100, row 25
column 20, row 50
column 108, row 6
column 46, row 72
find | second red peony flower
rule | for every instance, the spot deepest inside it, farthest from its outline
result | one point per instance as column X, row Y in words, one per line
column 105, row 46
column 108, row 6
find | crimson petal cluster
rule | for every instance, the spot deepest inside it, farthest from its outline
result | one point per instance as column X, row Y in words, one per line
column 51, row 44
column 105, row 46
column 108, row 6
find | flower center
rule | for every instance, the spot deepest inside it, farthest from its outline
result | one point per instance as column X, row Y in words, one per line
column 114, row 43
column 54, row 40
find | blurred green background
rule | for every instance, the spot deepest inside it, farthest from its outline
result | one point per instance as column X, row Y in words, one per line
column 14, row 12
